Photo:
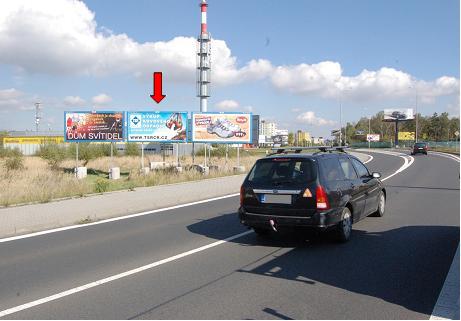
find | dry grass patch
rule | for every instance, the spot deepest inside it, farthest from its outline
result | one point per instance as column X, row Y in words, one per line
column 38, row 183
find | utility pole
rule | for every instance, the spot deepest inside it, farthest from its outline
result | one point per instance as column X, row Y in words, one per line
column 369, row 131
column 38, row 117
column 340, row 123
column 416, row 116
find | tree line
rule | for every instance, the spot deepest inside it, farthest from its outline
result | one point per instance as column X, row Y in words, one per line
column 438, row 127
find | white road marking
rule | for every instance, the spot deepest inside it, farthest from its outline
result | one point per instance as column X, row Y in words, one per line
column 447, row 305
column 13, row 238
column 370, row 158
column 408, row 161
column 117, row 276
column 445, row 155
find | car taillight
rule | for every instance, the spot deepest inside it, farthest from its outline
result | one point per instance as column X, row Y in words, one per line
column 322, row 199
column 242, row 193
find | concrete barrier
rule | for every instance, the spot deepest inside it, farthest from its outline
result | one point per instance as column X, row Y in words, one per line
column 81, row 172
column 114, row 173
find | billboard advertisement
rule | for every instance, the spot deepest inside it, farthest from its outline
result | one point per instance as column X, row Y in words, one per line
column 101, row 126
column 232, row 128
column 398, row 114
column 406, row 135
column 373, row 137
column 162, row 126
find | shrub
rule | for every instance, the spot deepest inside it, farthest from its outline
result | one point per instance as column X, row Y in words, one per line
column 14, row 160
column 87, row 151
column 219, row 151
column 53, row 154
column 101, row 185
column 131, row 149
column 104, row 149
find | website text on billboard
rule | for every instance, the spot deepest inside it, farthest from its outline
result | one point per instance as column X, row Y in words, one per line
column 163, row 126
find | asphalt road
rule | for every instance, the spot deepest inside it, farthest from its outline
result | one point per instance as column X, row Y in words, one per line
column 393, row 267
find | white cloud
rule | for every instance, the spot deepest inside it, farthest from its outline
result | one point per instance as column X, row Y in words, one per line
column 326, row 79
column 101, row 99
column 65, row 39
column 453, row 108
column 227, row 105
column 74, row 101
column 11, row 99
column 309, row 118
column 232, row 105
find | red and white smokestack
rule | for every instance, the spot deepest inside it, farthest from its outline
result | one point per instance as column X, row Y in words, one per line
column 203, row 60
column 203, row 7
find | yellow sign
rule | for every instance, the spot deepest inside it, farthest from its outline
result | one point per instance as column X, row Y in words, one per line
column 33, row 140
column 406, row 135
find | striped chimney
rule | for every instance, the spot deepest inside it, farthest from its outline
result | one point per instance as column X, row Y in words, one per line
column 203, row 6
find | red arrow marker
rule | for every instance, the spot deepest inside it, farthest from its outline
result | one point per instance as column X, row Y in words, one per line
column 157, row 96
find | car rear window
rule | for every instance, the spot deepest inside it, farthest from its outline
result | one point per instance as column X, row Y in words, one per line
column 331, row 169
column 282, row 171
column 420, row 144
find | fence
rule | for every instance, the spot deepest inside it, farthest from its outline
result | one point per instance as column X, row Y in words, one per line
column 403, row 144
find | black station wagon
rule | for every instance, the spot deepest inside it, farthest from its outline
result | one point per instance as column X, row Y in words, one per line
column 329, row 189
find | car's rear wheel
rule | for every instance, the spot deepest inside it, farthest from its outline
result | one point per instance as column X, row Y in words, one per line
column 344, row 228
column 381, row 205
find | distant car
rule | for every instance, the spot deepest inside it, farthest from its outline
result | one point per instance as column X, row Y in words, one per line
column 398, row 115
column 325, row 190
column 419, row 148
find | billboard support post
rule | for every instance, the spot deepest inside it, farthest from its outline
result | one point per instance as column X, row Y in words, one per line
column 177, row 154
column 76, row 159
column 396, row 138
column 193, row 153
column 142, row 155
column 238, row 155
column 111, row 154
column 227, row 152
column 206, row 147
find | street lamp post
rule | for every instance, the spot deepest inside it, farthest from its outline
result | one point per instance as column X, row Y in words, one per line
column 416, row 116
column 340, row 123
column 369, row 131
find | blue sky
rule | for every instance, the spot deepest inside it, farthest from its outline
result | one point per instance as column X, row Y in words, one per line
column 290, row 61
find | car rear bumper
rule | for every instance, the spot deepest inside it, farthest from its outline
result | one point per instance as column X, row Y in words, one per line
column 321, row 220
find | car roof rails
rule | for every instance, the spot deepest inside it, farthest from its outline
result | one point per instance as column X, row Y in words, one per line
column 325, row 149
column 296, row 150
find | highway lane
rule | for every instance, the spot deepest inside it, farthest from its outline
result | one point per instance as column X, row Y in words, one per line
column 393, row 267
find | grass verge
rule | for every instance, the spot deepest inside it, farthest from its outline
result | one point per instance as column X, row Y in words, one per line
column 37, row 182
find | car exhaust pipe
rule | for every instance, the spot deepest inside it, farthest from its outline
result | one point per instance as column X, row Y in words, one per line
column 272, row 223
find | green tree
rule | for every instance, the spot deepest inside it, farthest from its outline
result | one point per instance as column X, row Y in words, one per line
column 131, row 149
column 53, row 154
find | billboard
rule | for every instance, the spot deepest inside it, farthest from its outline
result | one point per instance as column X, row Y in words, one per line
column 398, row 114
column 162, row 126
column 406, row 135
column 232, row 128
column 373, row 137
column 101, row 126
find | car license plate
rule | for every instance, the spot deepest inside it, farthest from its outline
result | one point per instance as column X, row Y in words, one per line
column 419, row 147
column 275, row 199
